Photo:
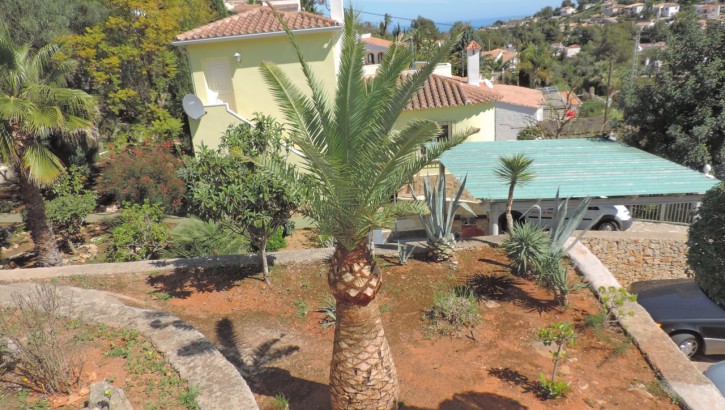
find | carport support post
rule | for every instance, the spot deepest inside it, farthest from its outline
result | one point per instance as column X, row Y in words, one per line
column 493, row 214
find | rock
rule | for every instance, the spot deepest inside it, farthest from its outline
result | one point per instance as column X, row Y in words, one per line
column 103, row 396
column 112, row 209
column 9, row 356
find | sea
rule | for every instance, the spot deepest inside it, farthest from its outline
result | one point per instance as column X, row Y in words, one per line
column 477, row 23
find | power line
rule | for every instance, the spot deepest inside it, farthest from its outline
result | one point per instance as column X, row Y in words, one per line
column 401, row 18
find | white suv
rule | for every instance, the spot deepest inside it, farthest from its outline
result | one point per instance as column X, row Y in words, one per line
column 598, row 217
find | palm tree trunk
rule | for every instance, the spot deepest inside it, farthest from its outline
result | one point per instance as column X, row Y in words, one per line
column 41, row 232
column 362, row 372
column 509, row 206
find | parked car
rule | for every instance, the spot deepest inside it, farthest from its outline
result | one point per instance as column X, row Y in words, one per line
column 598, row 217
column 693, row 321
column 716, row 374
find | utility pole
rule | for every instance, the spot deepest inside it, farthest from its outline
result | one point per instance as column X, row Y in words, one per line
column 609, row 93
column 635, row 59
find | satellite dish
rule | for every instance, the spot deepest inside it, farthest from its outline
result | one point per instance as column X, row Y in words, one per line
column 488, row 83
column 193, row 106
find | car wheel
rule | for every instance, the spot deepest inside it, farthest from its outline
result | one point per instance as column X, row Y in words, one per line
column 608, row 225
column 688, row 343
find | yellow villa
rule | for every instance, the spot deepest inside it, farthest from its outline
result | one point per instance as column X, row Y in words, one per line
column 225, row 55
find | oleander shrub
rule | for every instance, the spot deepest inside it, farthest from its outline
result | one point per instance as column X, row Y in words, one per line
column 70, row 204
column 145, row 172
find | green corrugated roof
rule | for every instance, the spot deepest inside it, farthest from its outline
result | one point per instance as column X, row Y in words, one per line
column 579, row 167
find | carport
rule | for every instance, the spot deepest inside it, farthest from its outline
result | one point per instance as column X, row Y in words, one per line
column 608, row 171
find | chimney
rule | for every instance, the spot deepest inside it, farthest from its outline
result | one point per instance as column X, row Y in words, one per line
column 337, row 11
column 473, row 68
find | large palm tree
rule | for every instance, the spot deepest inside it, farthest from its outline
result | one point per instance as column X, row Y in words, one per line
column 354, row 162
column 513, row 170
column 35, row 107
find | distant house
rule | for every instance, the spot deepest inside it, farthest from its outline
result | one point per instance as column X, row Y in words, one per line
column 503, row 54
column 634, row 9
column 567, row 11
column 708, row 11
column 666, row 10
column 611, row 8
column 572, row 50
column 518, row 108
column 375, row 48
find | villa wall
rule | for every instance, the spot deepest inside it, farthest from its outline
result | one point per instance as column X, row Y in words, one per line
column 633, row 257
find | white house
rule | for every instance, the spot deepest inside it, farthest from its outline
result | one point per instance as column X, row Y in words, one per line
column 375, row 48
column 572, row 50
column 635, row 9
column 567, row 11
column 518, row 108
column 666, row 10
column 708, row 11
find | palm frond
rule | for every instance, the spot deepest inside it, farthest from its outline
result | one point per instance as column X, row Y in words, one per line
column 42, row 165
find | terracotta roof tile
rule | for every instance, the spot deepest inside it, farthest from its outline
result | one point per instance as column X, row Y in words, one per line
column 506, row 55
column 522, row 96
column 256, row 21
column 473, row 46
column 440, row 91
column 377, row 41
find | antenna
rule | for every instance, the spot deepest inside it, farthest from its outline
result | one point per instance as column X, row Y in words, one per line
column 193, row 107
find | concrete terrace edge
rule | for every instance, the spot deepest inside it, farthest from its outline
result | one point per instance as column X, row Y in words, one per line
column 681, row 375
column 220, row 384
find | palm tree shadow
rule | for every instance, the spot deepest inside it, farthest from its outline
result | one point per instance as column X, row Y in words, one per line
column 515, row 378
column 494, row 262
column 506, row 288
column 475, row 401
column 255, row 365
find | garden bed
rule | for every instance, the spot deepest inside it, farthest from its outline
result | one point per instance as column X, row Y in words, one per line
column 274, row 335
column 122, row 357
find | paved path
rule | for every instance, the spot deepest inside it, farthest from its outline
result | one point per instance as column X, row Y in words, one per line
column 188, row 351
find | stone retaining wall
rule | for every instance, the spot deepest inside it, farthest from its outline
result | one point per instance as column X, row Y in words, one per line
column 633, row 257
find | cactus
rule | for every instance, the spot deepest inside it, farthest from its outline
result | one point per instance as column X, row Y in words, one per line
column 404, row 252
column 438, row 223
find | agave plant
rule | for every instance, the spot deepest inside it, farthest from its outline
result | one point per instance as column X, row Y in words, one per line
column 438, row 223
column 552, row 274
column 525, row 245
column 404, row 252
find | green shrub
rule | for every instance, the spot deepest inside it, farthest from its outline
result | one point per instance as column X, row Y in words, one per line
column 68, row 212
column 138, row 233
column 525, row 245
column 453, row 311
column 530, row 133
column 706, row 240
column 144, row 173
column 199, row 238
column 551, row 274
column 592, row 109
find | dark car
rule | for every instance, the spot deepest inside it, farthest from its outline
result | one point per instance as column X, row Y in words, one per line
column 694, row 322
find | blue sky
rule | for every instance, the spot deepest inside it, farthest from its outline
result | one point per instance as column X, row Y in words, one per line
column 446, row 11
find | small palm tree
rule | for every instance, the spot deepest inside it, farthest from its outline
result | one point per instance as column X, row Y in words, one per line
column 354, row 162
column 513, row 170
column 35, row 107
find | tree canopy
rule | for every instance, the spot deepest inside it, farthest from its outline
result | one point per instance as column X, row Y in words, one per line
column 679, row 112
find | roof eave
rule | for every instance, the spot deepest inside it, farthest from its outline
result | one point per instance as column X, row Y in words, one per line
column 180, row 43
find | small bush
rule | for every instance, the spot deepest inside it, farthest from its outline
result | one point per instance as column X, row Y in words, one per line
column 138, row 234
column 44, row 360
column 526, row 245
column 558, row 334
column 551, row 274
column 144, row 173
column 199, row 238
column 453, row 310
column 553, row 389
column 67, row 213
